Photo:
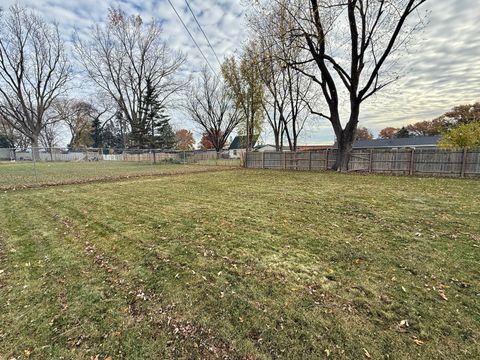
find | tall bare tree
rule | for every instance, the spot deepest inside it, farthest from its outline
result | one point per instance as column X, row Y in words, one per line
column 34, row 71
column 353, row 45
column 50, row 136
column 288, row 94
column 211, row 106
column 123, row 59
column 245, row 86
column 78, row 115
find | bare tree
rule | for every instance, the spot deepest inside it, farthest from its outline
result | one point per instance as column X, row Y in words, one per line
column 33, row 71
column 352, row 44
column 78, row 115
column 210, row 105
column 123, row 59
column 246, row 88
column 288, row 92
column 12, row 136
column 50, row 137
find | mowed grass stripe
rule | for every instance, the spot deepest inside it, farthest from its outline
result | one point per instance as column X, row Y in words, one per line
column 21, row 175
column 272, row 264
column 55, row 295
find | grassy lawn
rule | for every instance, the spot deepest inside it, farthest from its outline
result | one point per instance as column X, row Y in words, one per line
column 23, row 174
column 242, row 264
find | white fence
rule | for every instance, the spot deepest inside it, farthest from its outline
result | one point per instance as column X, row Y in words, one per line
column 136, row 155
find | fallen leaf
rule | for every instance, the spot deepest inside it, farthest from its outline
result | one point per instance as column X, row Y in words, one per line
column 367, row 354
column 404, row 323
column 442, row 295
column 417, row 341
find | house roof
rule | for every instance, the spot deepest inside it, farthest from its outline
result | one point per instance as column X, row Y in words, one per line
column 258, row 147
column 413, row 141
column 313, row 147
column 240, row 142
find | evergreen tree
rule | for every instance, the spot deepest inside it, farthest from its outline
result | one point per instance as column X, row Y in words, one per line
column 7, row 142
column 107, row 135
column 112, row 136
column 161, row 135
column 97, row 133
column 403, row 133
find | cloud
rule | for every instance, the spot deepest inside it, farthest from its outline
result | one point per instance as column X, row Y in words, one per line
column 443, row 67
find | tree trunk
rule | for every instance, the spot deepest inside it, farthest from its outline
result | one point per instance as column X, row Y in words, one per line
column 35, row 149
column 276, row 135
column 345, row 139
column 281, row 139
column 343, row 155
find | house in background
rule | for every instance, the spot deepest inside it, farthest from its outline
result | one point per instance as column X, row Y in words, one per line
column 239, row 146
column 413, row 142
column 269, row 148
column 313, row 147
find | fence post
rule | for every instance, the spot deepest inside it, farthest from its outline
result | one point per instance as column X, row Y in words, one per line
column 263, row 159
column 464, row 162
column 412, row 162
column 284, row 160
column 370, row 161
column 326, row 159
column 309, row 160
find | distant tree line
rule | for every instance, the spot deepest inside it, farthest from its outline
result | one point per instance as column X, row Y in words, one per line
column 457, row 127
column 302, row 60
column 133, row 71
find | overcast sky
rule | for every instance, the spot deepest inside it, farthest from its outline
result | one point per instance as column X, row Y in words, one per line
column 443, row 66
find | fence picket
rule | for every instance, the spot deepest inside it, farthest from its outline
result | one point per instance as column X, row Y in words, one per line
column 433, row 162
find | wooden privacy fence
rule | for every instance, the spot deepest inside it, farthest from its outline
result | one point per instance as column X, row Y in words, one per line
column 428, row 162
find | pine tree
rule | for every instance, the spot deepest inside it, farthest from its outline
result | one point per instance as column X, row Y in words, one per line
column 161, row 134
column 403, row 133
column 96, row 133
column 107, row 135
column 7, row 142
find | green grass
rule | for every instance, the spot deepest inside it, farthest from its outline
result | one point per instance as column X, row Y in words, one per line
column 25, row 174
column 242, row 264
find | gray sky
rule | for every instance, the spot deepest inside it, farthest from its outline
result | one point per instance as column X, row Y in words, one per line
column 443, row 65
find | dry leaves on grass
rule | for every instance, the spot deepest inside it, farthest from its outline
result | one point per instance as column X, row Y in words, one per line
column 442, row 294
column 403, row 325
column 417, row 341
